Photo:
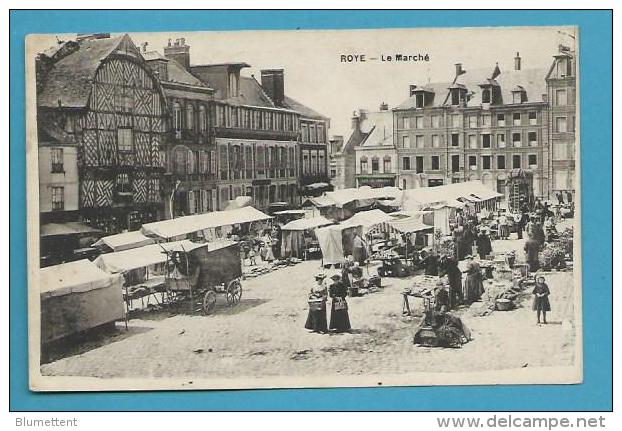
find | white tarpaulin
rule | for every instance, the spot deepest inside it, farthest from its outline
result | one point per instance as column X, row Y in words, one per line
column 409, row 225
column 305, row 224
column 365, row 195
column 124, row 241
column 414, row 199
column 332, row 239
column 367, row 219
column 167, row 229
column 74, row 277
column 141, row 257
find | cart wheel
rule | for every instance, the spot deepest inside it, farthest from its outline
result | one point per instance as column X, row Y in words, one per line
column 234, row 292
column 209, row 302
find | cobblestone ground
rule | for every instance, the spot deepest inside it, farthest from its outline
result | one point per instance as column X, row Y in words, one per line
column 264, row 335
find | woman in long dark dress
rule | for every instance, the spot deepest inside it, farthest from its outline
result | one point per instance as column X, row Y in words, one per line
column 484, row 247
column 473, row 286
column 316, row 320
column 339, row 317
column 541, row 302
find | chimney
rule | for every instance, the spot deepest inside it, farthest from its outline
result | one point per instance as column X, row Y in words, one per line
column 178, row 51
column 517, row 61
column 384, row 106
column 356, row 121
column 273, row 83
column 459, row 69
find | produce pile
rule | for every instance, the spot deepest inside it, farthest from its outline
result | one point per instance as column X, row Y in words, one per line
column 555, row 254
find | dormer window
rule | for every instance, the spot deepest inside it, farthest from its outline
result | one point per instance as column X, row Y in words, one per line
column 233, row 85
column 486, row 95
column 519, row 95
column 455, row 97
column 419, row 99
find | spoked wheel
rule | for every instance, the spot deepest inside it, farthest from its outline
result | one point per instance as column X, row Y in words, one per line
column 234, row 292
column 209, row 302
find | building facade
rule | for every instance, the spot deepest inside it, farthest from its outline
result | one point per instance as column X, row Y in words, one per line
column 561, row 84
column 479, row 126
column 189, row 181
column 376, row 156
column 99, row 95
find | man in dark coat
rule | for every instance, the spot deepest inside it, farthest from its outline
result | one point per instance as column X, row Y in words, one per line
column 454, row 276
column 484, row 246
column 431, row 264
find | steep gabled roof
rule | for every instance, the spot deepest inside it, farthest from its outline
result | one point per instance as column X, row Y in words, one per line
column 304, row 110
column 68, row 83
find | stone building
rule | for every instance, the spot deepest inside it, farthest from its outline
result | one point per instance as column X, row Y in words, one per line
column 561, row 82
column 376, row 156
column 101, row 116
column 478, row 126
column 189, row 182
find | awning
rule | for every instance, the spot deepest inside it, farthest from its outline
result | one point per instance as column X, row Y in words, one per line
column 367, row 219
column 141, row 257
column 239, row 202
column 319, row 202
column 409, row 225
column 184, row 225
column 316, row 186
column 124, row 241
column 68, row 228
column 73, row 277
column 306, row 224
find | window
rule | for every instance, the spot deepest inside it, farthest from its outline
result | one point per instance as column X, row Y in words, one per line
column 419, row 164
column 190, row 117
column 123, row 183
column 364, row 166
column 405, row 141
column 375, row 165
column 419, row 141
column 320, row 133
column 312, row 134
column 436, row 121
column 58, row 198
column 533, row 118
column 517, row 96
column 386, row 165
column 516, row 141
column 486, row 95
column 561, row 124
column 419, row 100
column 516, row 118
column 516, row 162
column 500, row 162
column 486, row 163
column 56, row 155
column 472, row 121
column 486, row 120
column 202, row 119
column 486, row 140
column 532, row 137
column 191, row 202
column 433, row 182
column 123, row 99
column 455, row 97
column 501, row 140
column 436, row 141
column 455, row 163
column 561, row 98
column 233, row 85
column 406, row 163
column 418, row 122
column 455, row 120
column 472, row 141
column 501, row 120
column 124, row 139
column 305, row 133
column 532, row 161
column 436, row 165
column 473, row 163
column 455, row 140
column 177, row 116
column 405, row 123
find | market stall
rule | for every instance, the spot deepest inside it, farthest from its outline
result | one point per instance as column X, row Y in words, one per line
column 202, row 225
column 77, row 296
column 123, row 241
column 298, row 237
column 66, row 242
column 336, row 242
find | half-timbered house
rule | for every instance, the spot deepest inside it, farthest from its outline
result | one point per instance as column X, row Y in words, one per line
column 100, row 95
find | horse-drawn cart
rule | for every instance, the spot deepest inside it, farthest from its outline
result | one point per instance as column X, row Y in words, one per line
column 197, row 274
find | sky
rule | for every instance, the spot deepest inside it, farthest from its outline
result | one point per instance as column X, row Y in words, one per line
column 316, row 76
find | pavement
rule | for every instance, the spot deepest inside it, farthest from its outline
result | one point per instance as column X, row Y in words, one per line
column 264, row 335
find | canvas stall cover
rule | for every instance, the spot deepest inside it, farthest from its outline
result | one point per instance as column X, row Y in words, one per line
column 367, row 219
column 416, row 199
column 181, row 226
column 124, row 241
column 336, row 242
column 78, row 296
column 307, row 223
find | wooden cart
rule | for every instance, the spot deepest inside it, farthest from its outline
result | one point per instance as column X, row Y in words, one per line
column 197, row 275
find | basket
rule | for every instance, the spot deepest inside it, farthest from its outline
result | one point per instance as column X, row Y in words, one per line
column 316, row 304
column 504, row 304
